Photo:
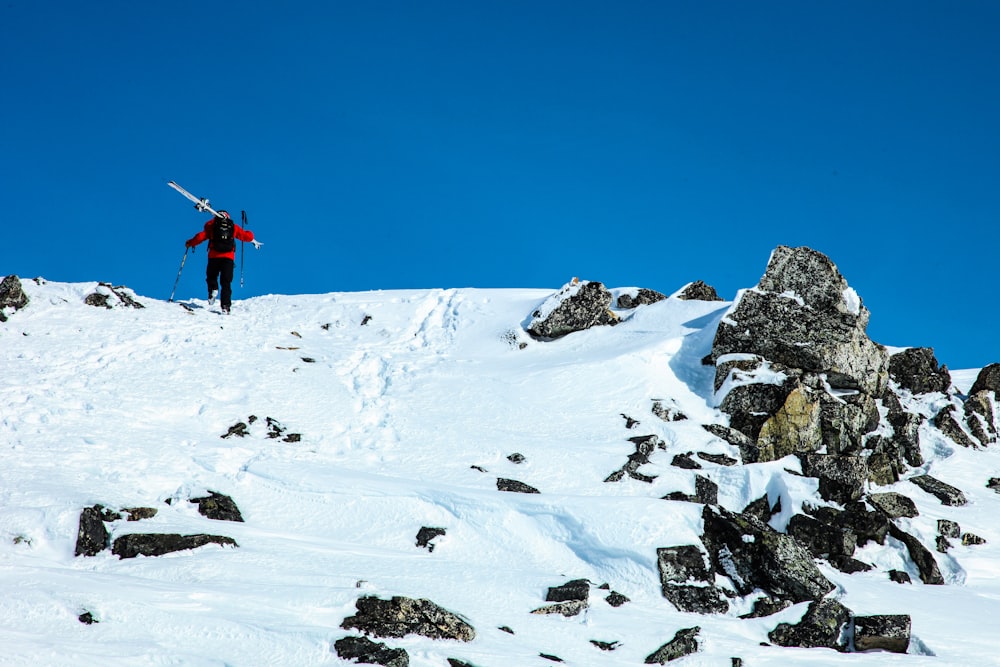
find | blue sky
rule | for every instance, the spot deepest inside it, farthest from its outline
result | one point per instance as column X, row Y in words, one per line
column 385, row 145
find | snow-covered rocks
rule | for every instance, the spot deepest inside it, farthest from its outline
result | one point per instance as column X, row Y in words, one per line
column 577, row 306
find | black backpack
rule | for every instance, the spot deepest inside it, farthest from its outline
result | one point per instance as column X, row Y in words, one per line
column 223, row 235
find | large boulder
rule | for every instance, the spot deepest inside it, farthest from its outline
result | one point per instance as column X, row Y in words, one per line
column 685, row 642
column 804, row 315
column 158, row 544
column 365, row 651
column 401, row 616
column 698, row 291
column 753, row 555
column 686, row 581
column 917, row 370
column 825, row 624
column 11, row 296
column 577, row 306
column 883, row 632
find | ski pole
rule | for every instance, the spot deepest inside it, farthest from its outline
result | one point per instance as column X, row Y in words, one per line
column 178, row 279
column 243, row 247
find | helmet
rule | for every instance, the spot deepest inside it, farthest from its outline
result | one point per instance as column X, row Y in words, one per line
column 223, row 212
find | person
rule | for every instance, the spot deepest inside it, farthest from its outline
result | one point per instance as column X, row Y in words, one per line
column 221, row 256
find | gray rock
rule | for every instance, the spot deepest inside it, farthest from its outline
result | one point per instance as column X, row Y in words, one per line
column 846, row 420
column 825, row 624
column 219, row 507
column 696, row 599
column 748, row 448
column 890, row 632
column 804, row 315
column 906, row 429
column 821, row 539
column 11, row 296
column 514, row 486
column 158, row 544
column 767, row 606
column 753, row 555
column 574, row 308
column 616, row 599
column 426, row 534
column 685, row 642
column 705, row 491
column 112, row 296
column 988, row 380
column 795, row 428
column 699, row 291
column 946, row 493
column 364, row 650
column 92, row 536
column 578, row 589
column 981, row 416
column 917, row 370
column 718, row 459
column 867, row 526
column 643, row 297
column 946, row 422
column 682, row 564
column 569, row 608
column 841, row 478
column 920, row 555
column 893, row 505
column 645, row 445
column 401, row 616
column 751, row 405
column 760, row 509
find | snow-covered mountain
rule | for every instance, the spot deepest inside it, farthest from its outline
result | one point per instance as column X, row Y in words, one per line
column 343, row 424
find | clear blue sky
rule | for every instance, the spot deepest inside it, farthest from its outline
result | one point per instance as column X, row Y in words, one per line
column 406, row 144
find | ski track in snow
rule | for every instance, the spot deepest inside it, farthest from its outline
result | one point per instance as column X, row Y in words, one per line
column 408, row 404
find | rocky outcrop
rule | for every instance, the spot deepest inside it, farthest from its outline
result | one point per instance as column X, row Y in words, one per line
column 426, row 534
column 698, row 291
column 685, row 642
column 917, row 370
column 982, row 407
column 645, row 445
column 753, row 555
column 365, row 651
column 158, row 544
column 886, row 632
column 641, row 297
column 401, row 616
column 110, row 296
column 92, row 536
column 946, row 493
column 577, row 306
column 804, row 315
column 12, row 296
column 514, row 486
column 686, row 580
column 825, row 624
column 218, row 506
column 920, row 555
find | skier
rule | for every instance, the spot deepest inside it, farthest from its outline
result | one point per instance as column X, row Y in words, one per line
column 221, row 233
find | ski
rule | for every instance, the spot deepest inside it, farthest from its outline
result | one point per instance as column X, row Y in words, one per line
column 199, row 204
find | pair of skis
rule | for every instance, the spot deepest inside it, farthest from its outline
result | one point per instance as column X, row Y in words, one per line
column 202, row 205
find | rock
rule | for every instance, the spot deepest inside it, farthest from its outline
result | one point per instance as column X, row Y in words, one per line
column 92, row 536
column 158, row 544
column 760, row 509
column 846, row 420
column 685, row 461
column 685, row 642
column 825, row 624
column 751, row 405
column 239, row 429
column 87, row 618
column 889, row 632
column 753, row 555
column 718, row 459
column 705, row 491
column 946, row 493
column 920, row 555
column 916, row 369
column 686, row 581
column 139, row 513
column 108, row 296
column 426, row 534
column 668, row 413
column 401, row 616
column 748, row 448
column 12, row 296
column 514, row 486
column 568, row 609
column 698, row 291
column 804, row 315
column 867, row 526
column 948, row 528
column 841, row 478
column 364, row 650
column 981, row 417
column 993, row 484
column 793, row 429
column 645, row 445
column 987, row 380
column 516, row 458
column 605, row 646
column 767, row 606
column 578, row 589
column 576, row 307
column 971, row 540
column 946, row 422
column 219, row 507
column 821, row 539
column 906, row 429
column 616, row 599
column 642, row 297
column 894, row 505
column 899, row 577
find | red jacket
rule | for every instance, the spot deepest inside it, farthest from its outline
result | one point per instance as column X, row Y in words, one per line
column 206, row 235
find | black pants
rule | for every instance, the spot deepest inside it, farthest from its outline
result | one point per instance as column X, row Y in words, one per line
column 221, row 269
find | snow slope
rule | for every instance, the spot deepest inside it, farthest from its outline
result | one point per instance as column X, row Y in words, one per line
column 408, row 404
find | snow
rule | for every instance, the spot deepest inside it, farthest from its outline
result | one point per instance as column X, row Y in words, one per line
column 404, row 393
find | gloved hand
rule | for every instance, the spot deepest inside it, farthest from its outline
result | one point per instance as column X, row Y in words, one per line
column 189, row 243
column 256, row 244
